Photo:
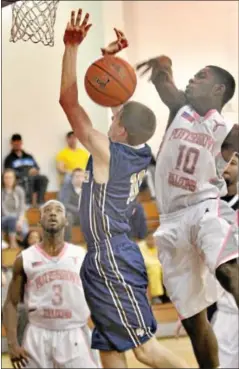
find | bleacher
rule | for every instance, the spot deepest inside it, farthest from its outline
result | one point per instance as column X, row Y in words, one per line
column 165, row 314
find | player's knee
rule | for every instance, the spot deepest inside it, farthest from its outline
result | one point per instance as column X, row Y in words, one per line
column 225, row 272
column 144, row 351
column 195, row 324
column 189, row 326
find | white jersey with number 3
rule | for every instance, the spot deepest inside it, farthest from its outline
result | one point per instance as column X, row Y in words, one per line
column 54, row 294
column 186, row 165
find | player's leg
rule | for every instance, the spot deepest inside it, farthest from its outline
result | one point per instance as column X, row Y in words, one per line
column 150, row 353
column 72, row 350
column 120, row 309
column 225, row 326
column 155, row 355
column 113, row 359
column 190, row 285
column 36, row 341
column 203, row 340
column 228, row 276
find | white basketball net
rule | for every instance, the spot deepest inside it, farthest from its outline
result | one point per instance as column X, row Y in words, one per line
column 34, row 20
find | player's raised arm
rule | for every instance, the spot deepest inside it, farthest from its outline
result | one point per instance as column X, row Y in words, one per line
column 162, row 78
column 18, row 355
column 94, row 141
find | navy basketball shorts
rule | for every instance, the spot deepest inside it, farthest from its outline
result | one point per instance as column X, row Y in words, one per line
column 115, row 285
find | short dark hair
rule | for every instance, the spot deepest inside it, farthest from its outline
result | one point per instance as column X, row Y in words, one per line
column 69, row 134
column 16, row 137
column 227, row 80
column 139, row 122
column 77, row 170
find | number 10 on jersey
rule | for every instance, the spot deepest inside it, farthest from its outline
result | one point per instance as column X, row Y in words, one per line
column 187, row 159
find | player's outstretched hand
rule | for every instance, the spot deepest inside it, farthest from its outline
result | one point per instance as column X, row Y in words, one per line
column 76, row 31
column 19, row 356
column 155, row 65
column 115, row 46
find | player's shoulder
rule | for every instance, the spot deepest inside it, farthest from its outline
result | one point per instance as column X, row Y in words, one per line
column 186, row 111
column 128, row 149
column 76, row 250
column 29, row 251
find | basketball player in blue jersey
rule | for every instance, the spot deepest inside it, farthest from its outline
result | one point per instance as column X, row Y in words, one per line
column 113, row 273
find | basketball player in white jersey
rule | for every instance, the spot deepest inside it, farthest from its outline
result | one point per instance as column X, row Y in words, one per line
column 57, row 335
column 226, row 319
column 196, row 242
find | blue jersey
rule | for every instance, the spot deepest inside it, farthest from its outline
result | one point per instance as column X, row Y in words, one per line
column 105, row 208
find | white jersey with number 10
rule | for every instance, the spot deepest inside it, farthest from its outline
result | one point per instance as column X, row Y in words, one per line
column 186, row 171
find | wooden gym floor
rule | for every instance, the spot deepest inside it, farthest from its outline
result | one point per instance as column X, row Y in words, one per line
column 180, row 347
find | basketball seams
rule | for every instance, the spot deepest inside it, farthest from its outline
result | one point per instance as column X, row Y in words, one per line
column 118, row 101
column 112, row 76
column 129, row 69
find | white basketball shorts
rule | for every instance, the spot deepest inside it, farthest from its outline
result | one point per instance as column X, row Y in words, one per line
column 58, row 349
column 192, row 243
column 226, row 329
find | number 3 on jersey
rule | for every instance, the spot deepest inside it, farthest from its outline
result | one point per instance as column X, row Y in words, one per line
column 57, row 298
column 135, row 182
column 187, row 159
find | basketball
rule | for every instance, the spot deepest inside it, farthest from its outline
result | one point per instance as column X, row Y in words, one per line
column 110, row 81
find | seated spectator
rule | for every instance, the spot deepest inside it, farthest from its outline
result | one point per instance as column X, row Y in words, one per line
column 154, row 269
column 137, row 222
column 27, row 171
column 13, row 208
column 33, row 237
column 70, row 158
column 70, row 196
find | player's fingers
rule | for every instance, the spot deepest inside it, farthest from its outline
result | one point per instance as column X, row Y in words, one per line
column 15, row 363
column 19, row 365
column 73, row 18
column 23, row 363
column 141, row 65
column 78, row 18
column 145, row 71
column 88, row 27
column 68, row 27
column 117, row 33
column 85, row 21
column 121, row 34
